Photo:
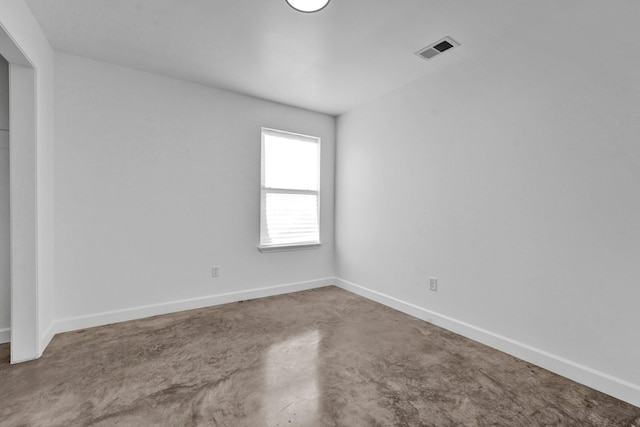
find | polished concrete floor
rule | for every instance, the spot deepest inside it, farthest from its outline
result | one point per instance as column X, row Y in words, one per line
column 323, row 357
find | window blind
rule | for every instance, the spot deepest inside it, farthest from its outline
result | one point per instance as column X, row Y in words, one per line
column 290, row 190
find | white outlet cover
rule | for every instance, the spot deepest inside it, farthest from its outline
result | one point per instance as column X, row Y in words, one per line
column 433, row 283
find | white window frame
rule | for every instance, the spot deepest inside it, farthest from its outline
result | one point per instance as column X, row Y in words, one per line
column 264, row 190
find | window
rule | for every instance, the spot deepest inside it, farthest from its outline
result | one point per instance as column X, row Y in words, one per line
column 290, row 191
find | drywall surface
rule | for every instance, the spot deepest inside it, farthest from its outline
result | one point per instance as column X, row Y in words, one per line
column 30, row 56
column 4, row 94
column 158, row 180
column 5, row 254
column 512, row 177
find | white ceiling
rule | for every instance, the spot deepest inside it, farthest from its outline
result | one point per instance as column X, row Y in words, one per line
column 331, row 61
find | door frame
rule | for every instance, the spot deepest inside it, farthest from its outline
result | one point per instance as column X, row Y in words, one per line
column 25, row 337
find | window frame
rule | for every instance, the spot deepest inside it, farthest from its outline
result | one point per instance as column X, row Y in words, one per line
column 265, row 190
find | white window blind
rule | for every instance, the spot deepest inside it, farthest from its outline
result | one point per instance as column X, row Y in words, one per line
column 290, row 191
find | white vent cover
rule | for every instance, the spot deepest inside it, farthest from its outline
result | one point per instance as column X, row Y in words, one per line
column 437, row 48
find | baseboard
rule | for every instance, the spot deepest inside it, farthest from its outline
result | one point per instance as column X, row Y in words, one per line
column 105, row 318
column 595, row 379
column 5, row 335
column 46, row 338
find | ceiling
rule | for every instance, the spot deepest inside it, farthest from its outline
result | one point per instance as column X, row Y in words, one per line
column 351, row 52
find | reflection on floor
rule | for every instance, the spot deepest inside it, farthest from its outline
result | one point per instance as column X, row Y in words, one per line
column 319, row 357
column 292, row 380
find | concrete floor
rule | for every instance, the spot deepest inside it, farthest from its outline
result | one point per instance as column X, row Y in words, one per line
column 320, row 357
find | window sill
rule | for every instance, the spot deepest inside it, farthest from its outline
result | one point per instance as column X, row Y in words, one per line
column 293, row 247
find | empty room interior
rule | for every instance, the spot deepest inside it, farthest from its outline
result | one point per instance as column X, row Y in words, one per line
column 256, row 213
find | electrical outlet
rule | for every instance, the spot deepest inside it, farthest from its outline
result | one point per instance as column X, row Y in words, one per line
column 215, row 271
column 433, row 284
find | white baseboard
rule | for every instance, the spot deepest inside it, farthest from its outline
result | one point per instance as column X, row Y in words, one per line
column 595, row 379
column 46, row 338
column 5, row 335
column 105, row 318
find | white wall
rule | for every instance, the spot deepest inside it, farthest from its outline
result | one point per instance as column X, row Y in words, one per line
column 46, row 194
column 157, row 180
column 30, row 56
column 4, row 94
column 5, row 256
column 514, row 178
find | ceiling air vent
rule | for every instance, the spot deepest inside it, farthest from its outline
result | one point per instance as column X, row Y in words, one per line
column 437, row 48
